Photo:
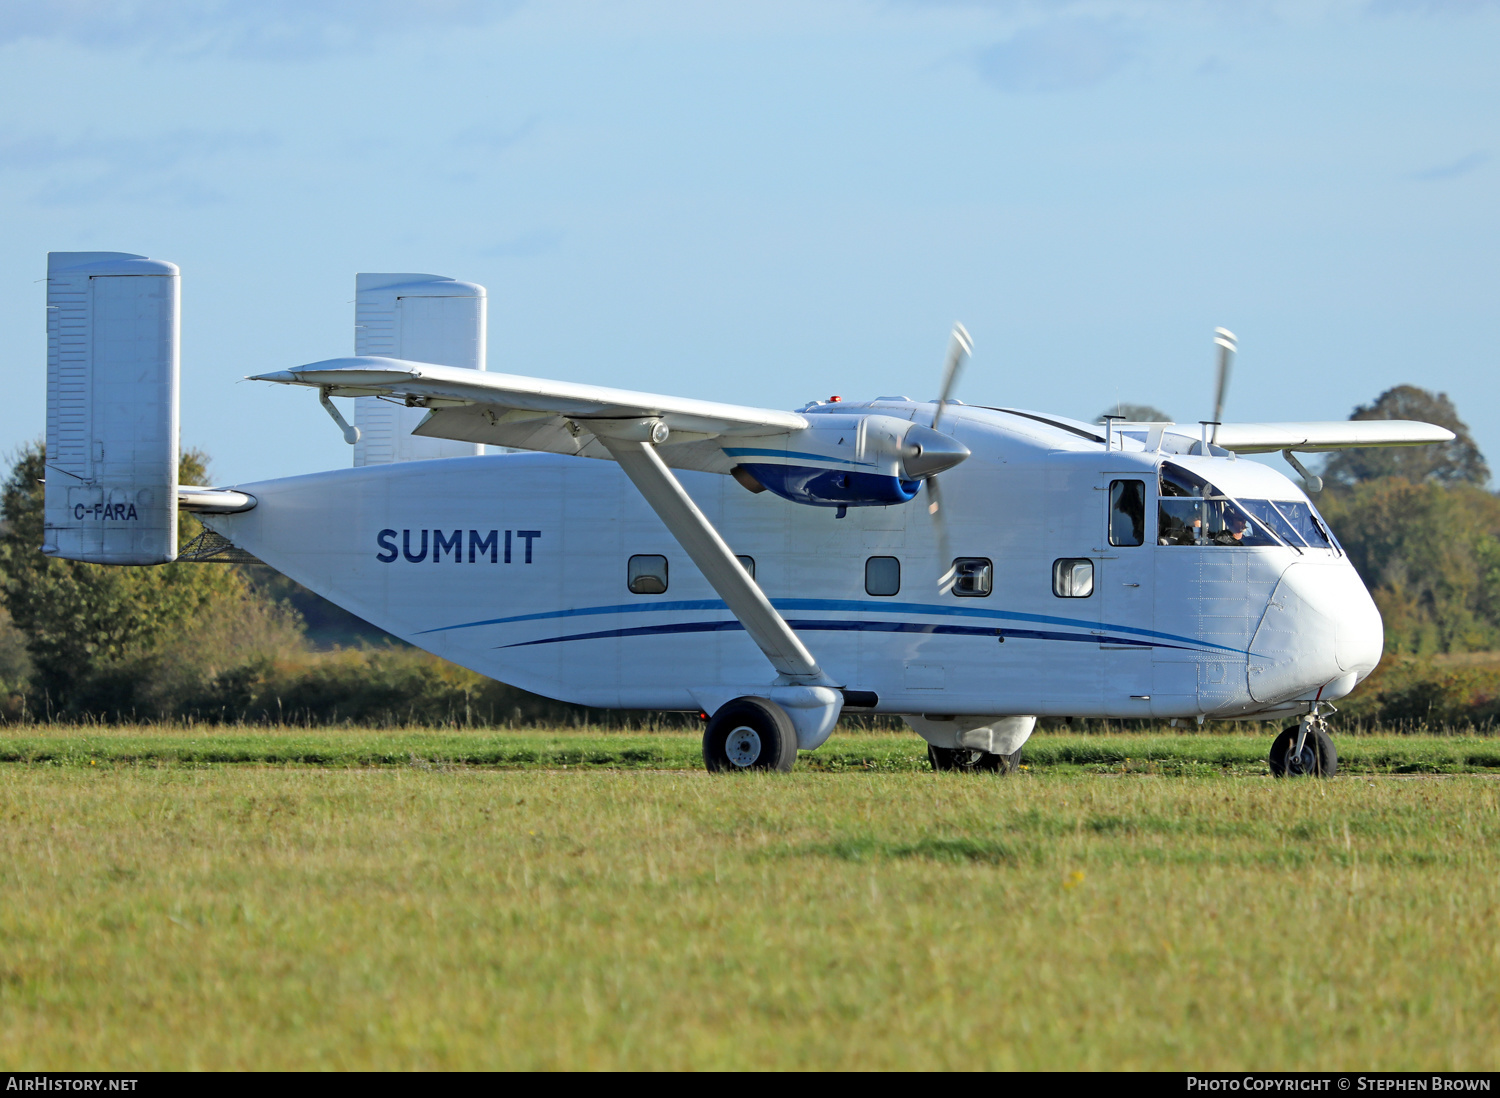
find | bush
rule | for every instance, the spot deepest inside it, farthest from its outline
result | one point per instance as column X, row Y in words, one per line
column 1420, row 695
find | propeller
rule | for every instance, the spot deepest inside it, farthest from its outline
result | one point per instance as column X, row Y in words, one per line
column 1225, row 340
column 960, row 347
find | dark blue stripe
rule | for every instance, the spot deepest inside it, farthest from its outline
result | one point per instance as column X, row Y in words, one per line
column 844, row 626
column 845, row 606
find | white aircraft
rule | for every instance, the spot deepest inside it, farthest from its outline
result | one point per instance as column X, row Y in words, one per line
column 968, row 568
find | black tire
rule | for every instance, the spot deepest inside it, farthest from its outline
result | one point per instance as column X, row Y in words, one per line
column 970, row 761
column 749, row 734
column 1319, row 757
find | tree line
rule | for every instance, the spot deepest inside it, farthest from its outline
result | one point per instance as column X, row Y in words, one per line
column 241, row 642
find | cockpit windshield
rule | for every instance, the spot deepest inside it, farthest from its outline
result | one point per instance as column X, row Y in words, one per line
column 1193, row 512
column 1308, row 523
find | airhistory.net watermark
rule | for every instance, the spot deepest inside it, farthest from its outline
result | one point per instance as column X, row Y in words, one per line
column 66, row 1082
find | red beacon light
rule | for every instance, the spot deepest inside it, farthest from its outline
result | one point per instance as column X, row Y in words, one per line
column 834, row 399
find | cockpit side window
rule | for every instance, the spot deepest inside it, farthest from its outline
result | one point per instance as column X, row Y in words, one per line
column 1192, row 511
column 1127, row 512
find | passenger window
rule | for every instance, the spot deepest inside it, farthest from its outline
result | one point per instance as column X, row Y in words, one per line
column 748, row 563
column 646, row 575
column 1073, row 578
column 973, row 577
column 1127, row 512
column 882, row 576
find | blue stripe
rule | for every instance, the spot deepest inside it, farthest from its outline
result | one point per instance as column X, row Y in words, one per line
column 750, row 451
column 842, row 626
column 844, row 606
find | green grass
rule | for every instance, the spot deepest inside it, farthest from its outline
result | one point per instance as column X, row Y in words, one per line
column 349, row 899
column 1165, row 752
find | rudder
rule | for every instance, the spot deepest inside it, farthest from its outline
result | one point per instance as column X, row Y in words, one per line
column 112, row 399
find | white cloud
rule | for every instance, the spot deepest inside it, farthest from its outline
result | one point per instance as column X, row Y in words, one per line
column 1056, row 56
column 255, row 29
column 1462, row 166
column 158, row 169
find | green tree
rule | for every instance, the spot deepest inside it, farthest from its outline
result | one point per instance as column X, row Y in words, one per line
column 1430, row 555
column 97, row 634
column 1456, row 462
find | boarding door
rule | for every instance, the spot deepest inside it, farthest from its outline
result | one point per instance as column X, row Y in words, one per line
column 1127, row 607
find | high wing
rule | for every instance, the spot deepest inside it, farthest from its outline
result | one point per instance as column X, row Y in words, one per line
column 1310, row 438
column 1264, row 438
column 530, row 413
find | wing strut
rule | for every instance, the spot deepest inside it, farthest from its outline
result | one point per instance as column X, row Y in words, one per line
column 809, row 697
column 702, row 543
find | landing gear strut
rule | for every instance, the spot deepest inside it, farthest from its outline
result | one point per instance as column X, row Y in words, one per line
column 1305, row 748
column 974, row 762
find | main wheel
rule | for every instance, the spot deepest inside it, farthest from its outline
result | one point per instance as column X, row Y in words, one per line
column 749, row 734
column 1319, row 757
column 971, row 761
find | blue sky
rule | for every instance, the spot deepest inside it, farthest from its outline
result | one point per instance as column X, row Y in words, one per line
column 776, row 202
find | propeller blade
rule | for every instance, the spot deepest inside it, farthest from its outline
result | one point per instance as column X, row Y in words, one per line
column 960, row 347
column 940, row 528
column 1225, row 340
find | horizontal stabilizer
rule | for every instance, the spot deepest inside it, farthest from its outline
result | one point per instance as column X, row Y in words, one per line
column 212, row 501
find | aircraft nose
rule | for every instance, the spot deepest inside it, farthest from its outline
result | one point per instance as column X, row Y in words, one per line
column 1320, row 632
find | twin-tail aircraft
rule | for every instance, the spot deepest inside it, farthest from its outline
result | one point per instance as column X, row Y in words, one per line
column 970, row 569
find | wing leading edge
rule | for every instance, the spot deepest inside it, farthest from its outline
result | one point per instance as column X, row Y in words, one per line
column 529, row 413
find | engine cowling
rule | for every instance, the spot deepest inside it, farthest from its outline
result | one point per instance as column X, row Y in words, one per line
column 847, row 461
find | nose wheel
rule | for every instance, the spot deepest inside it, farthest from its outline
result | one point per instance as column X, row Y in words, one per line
column 1304, row 749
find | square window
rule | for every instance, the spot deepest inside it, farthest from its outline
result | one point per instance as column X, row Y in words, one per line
column 882, row 576
column 646, row 575
column 973, row 577
column 748, row 563
column 1073, row 578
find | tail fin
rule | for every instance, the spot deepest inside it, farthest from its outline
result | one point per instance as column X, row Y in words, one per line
column 422, row 318
column 112, row 379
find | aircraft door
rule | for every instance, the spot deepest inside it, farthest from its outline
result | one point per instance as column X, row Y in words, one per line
column 1127, row 602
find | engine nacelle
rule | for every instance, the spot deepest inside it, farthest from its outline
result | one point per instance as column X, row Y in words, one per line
column 847, row 461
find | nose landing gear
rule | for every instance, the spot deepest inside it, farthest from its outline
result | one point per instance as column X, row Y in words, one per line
column 1305, row 748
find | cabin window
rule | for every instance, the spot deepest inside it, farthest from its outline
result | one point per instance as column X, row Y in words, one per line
column 882, row 576
column 748, row 563
column 1127, row 512
column 973, row 577
column 1073, row 578
column 646, row 574
column 1191, row 511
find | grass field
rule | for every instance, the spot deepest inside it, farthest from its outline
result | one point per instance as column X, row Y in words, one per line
column 235, row 898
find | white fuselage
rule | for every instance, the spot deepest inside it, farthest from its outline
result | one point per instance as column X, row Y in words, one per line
column 515, row 566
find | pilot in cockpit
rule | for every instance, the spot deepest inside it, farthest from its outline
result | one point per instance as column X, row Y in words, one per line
column 1233, row 532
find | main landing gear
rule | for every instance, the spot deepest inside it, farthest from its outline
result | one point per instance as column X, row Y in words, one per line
column 749, row 734
column 1305, row 748
column 973, row 762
